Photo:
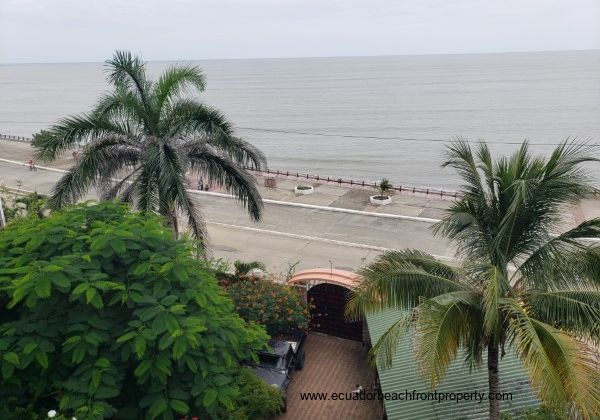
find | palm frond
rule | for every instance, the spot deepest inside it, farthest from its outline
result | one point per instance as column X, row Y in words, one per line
column 459, row 156
column 495, row 287
column 444, row 324
column 563, row 260
column 239, row 151
column 110, row 192
column 387, row 345
column 128, row 73
column 562, row 369
column 400, row 279
column 177, row 80
column 123, row 106
column 574, row 311
column 189, row 118
column 100, row 160
column 220, row 170
column 72, row 131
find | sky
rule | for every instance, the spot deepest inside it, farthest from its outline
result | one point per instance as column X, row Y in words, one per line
column 90, row 30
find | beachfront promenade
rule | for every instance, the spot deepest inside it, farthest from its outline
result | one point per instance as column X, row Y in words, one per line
column 334, row 224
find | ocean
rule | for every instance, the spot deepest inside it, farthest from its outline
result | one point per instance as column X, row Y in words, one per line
column 364, row 118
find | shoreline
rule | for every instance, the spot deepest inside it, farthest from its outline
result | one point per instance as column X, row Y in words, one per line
column 331, row 180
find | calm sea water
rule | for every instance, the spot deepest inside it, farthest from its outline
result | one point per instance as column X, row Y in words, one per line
column 543, row 97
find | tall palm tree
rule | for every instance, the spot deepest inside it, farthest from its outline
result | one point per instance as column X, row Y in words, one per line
column 521, row 287
column 141, row 140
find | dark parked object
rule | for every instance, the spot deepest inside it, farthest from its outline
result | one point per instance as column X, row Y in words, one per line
column 276, row 365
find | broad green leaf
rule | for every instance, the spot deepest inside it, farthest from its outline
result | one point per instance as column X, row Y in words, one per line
column 226, row 401
column 165, row 341
column 7, row 370
column 180, row 273
column 159, row 324
column 166, row 268
column 149, row 334
column 149, row 313
column 52, row 268
column 172, row 324
column 96, row 376
column 72, row 340
column 119, row 246
column 143, row 368
column 35, row 243
column 209, row 397
column 60, row 280
column 221, row 380
column 89, row 294
column 179, row 406
column 97, row 301
column 81, row 288
column 42, row 358
column 140, row 269
column 127, row 336
column 93, row 338
column 169, row 300
column 29, row 348
column 157, row 407
column 42, row 286
column 78, row 354
column 140, row 346
column 191, row 364
column 103, row 362
column 201, row 300
column 12, row 357
column 179, row 348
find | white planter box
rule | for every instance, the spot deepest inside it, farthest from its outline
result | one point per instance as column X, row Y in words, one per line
column 375, row 199
column 306, row 191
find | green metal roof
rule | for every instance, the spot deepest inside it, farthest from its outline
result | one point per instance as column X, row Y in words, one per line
column 403, row 376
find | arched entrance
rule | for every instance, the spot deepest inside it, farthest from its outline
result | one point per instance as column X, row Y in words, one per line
column 327, row 312
column 328, row 291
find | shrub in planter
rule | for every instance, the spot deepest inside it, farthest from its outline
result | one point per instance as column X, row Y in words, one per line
column 279, row 307
column 383, row 198
column 304, row 189
column 383, row 187
column 104, row 314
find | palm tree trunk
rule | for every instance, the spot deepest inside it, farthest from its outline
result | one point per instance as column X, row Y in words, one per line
column 493, row 381
column 175, row 224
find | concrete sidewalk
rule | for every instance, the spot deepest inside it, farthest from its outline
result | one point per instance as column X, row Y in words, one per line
column 325, row 194
column 335, row 226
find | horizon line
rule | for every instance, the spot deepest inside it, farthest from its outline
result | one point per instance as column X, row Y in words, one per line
column 311, row 57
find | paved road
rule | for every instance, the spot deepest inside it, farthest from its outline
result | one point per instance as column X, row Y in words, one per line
column 287, row 234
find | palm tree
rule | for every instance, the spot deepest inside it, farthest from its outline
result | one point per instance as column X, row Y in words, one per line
column 520, row 287
column 141, row 140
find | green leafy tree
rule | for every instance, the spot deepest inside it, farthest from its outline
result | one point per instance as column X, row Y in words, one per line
column 150, row 134
column 105, row 314
column 520, row 285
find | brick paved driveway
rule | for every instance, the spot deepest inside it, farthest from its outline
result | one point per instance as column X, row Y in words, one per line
column 332, row 365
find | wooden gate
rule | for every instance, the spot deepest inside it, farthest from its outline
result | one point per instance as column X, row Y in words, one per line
column 327, row 313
